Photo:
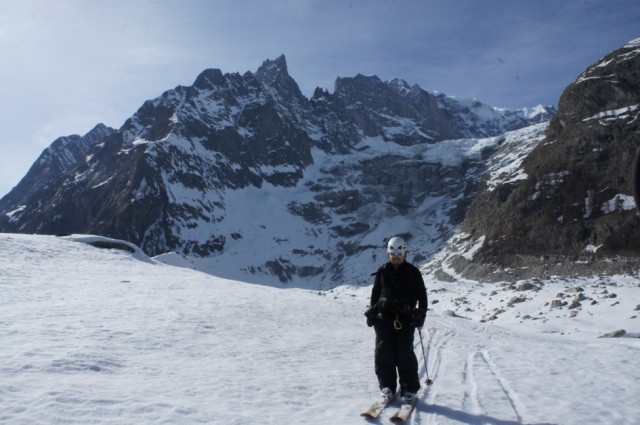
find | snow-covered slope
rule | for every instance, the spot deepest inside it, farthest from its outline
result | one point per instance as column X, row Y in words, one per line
column 108, row 336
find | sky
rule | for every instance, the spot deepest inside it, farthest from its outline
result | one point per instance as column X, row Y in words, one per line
column 71, row 64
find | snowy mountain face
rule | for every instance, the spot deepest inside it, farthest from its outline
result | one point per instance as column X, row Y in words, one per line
column 241, row 175
column 60, row 158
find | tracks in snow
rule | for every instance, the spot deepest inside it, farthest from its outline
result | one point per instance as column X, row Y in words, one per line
column 468, row 385
column 481, row 372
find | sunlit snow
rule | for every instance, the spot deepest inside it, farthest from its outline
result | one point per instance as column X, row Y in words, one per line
column 106, row 336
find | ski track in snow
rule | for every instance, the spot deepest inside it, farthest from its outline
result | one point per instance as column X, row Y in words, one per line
column 481, row 385
column 95, row 336
column 475, row 381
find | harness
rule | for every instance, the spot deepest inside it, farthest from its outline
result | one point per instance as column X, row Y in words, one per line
column 402, row 305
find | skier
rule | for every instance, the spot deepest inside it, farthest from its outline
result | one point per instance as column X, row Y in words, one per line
column 397, row 288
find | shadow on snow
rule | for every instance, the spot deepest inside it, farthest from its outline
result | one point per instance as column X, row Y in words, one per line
column 469, row 418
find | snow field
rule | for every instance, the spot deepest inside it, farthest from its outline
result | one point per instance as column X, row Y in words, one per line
column 95, row 336
column 103, row 337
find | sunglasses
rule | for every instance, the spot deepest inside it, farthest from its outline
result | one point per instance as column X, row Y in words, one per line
column 396, row 253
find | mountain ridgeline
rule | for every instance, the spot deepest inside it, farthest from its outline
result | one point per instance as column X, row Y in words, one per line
column 247, row 178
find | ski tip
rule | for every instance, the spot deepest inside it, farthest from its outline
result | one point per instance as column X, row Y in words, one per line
column 369, row 418
column 371, row 414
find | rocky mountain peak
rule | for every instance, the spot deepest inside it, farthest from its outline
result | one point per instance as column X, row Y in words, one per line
column 606, row 85
column 356, row 86
column 273, row 68
column 241, row 174
column 97, row 133
column 273, row 74
column 209, row 79
column 67, row 152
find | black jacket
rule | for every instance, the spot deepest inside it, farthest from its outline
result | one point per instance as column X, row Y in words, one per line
column 398, row 290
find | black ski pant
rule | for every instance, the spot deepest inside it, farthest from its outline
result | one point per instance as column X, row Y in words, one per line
column 394, row 357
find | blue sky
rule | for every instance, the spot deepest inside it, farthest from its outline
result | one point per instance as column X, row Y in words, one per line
column 70, row 64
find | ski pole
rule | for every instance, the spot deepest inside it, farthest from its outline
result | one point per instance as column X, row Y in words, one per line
column 429, row 381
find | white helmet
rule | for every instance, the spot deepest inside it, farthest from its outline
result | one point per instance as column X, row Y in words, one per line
column 397, row 246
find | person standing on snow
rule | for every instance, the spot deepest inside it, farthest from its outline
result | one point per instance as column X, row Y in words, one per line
column 393, row 313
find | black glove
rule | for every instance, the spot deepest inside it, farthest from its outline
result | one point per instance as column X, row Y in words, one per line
column 417, row 317
column 371, row 314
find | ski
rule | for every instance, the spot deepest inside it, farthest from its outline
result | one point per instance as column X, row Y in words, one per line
column 404, row 412
column 376, row 408
column 374, row 411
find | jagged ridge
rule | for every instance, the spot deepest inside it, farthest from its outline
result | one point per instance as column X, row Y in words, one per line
column 331, row 176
